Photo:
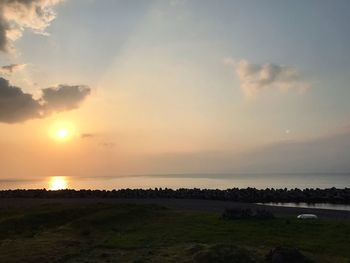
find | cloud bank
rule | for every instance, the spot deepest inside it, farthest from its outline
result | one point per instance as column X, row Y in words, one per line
column 255, row 78
column 327, row 154
column 18, row 106
column 18, row 15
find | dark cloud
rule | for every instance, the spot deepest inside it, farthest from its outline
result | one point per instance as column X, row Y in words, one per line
column 87, row 135
column 8, row 69
column 107, row 144
column 64, row 97
column 17, row 15
column 17, row 106
column 3, row 34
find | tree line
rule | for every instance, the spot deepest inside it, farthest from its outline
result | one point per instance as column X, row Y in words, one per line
column 251, row 195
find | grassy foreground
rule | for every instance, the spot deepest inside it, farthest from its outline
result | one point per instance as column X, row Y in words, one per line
column 149, row 233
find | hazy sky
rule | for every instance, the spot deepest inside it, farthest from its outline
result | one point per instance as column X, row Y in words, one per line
column 173, row 86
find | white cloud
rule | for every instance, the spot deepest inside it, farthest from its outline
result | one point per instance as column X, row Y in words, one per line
column 18, row 15
column 255, row 78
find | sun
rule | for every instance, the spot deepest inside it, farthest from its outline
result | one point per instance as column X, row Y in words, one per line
column 62, row 133
column 58, row 183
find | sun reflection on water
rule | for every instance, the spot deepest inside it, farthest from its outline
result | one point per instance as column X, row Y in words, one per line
column 58, row 183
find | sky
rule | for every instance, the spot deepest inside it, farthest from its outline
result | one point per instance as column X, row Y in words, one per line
column 119, row 88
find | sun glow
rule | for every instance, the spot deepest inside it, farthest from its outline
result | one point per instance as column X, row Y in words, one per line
column 58, row 183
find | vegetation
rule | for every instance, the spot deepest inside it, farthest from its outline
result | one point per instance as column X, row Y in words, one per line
column 237, row 213
column 253, row 195
column 102, row 232
column 287, row 255
column 246, row 213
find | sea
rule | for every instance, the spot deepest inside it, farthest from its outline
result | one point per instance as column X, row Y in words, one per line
column 175, row 181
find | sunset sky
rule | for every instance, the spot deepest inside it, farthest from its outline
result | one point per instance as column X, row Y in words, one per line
column 99, row 88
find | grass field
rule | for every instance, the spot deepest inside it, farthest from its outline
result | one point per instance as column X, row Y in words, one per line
column 103, row 232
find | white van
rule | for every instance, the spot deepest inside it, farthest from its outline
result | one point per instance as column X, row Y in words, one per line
column 307, row 216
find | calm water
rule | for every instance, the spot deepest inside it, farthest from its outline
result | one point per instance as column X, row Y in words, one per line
column 317, row 205
column 213, row 181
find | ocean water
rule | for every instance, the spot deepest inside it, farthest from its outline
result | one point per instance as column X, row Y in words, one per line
column 315, row 205
column 212, row 181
